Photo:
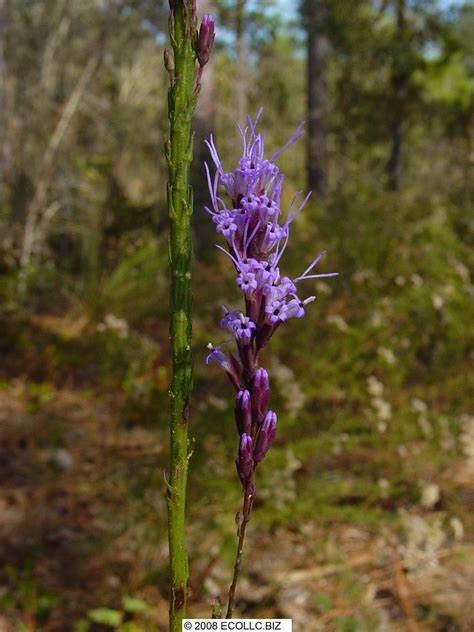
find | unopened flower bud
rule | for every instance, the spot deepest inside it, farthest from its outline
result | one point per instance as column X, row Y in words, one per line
column 206, row 39
column 243, row 412
column 266, row 436
column 245, row 457
column 260, row 394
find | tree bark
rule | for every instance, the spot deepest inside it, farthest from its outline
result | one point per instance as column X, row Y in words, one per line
column 400, row 79
column 47, row 169
column 6, row 155
column 241, row 76
column 318, row 48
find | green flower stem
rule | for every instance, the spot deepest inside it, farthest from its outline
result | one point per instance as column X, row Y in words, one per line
column 182, row 102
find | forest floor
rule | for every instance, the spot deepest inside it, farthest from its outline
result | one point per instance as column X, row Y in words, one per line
column 83, row 538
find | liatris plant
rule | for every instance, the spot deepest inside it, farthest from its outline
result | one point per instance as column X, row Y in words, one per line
column 256, row 237
column 191, row 52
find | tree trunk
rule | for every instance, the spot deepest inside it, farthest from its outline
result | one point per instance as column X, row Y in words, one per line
column 6, row 156
column 400, row 80
column 47, row 169
column 318, row 48
column 241, row 76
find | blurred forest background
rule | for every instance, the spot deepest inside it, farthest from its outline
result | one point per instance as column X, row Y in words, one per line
column 365, row 517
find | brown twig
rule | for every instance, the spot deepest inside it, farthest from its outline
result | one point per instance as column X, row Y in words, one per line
column 403, row 595
column 246, row 510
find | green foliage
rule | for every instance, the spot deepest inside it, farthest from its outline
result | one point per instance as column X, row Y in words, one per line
column 350, row 624
column 25, row 594
column 134, row 604
column 136, row 615
column 106, row 616
column 136, row 288
column 323, row 602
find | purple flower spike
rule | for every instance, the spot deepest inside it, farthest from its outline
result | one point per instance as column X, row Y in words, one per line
column 266, row 436
column 243, row 412
column 245, row 457
column 256, row 235
column 206, row 39
column 260, row 394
